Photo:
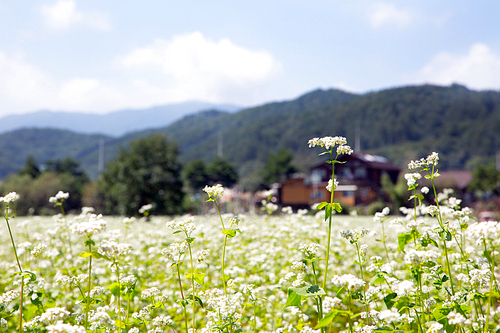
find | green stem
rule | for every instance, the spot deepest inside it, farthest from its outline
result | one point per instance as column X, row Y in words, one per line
column 329, row 222
column 223, row 249
column 362, row 278
column 223, row 258
column 192, row 279
column 6, row 217
column 89, row 286
column 119, row 300
column 182, row 294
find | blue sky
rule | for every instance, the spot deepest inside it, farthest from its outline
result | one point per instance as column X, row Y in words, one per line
column 100, row 56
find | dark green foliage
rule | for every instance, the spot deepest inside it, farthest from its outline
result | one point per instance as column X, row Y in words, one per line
column 278, row 166
column 30, row 168
column 402, row 124
column 220, row 171
column 195, row 175
column 485, row 180
column 35, row 191
column 396, row 193
column 147, row 173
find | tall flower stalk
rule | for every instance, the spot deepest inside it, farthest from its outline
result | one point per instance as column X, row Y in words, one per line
column 334, row 147
column 11, row 197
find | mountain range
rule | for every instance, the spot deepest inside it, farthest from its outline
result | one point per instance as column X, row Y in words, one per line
column 115, row 123
column 402, row 123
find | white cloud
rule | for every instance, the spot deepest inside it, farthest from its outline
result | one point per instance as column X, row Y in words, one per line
column 381, row 14
column 189, row 67
column 478, row 69
column 201, row 67
column 64, row 14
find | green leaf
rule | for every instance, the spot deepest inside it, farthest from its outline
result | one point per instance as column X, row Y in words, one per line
column 229, row 232
column 114, row 288
column 30, row 274
column 308, row 291
column 327, row 319
column 292, row 300
column 120, row 324
column 377, row 279
column 389, row 300
column 176, row 232
column 321, row 205
column 403, row 239
column 337, row 207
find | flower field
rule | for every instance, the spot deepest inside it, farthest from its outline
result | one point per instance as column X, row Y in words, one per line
column 431, row 268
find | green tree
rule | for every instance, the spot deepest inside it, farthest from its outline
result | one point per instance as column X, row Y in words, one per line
column 30, row 167
column 196, row 175
column 278, row 166
column 485, row 180
column 397, row 193
column 147, row 173
column 222, row 172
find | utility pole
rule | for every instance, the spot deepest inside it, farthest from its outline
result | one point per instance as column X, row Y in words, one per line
column 100, row 164
column 219, row 146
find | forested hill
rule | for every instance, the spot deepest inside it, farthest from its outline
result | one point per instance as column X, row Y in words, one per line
column 401, row 123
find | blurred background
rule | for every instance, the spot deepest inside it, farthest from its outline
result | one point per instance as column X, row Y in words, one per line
column 124, row 104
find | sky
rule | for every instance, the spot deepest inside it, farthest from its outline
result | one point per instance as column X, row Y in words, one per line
column 98, row 56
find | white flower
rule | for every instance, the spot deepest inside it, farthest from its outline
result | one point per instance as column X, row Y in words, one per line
column 145, row 208
column 327, row 142
column 348, row 281
column 61, row 327
column 332, row 185
column 94, row 226
column 12, row 196
column 39, row 249
column 112, row 249
column 214, row 191
column 455, row 318
column 411, row 178
column 424, row 190
column 150, row 292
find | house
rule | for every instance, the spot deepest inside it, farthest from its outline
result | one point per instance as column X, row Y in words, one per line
column 359, row 181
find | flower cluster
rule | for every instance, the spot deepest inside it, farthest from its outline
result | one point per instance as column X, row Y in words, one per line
column 411, row 178
column 187, row 225
column 59, row 197
column 327, row 142
column 348, row 281
column 381, row 216
column 354, row 235
column 94, row 226
column 214, row 191
column 431, row 160
column 332, row 185
column 113, row 249
column 11, row 197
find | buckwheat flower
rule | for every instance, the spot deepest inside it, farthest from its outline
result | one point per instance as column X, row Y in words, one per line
column 287, row 210
column 299, row 266
column 11, row 197
column 8, row 297
column 145, row 208
column 455, row 318
column 482, row 231
column 411, row 178
column 112, row 249
column 129, row 220
column 214, row 191
column 365, row 329
column 234, row 221
column 433, row 159
column 380, row 217
column 133, row 330
column 53, row 314
column 39, row 249
column 61, row 327
column 344, row 150
column 202, row 255
column 309, row 250
column 362, row 250
column 94, row 226
column 424, row 190
column 150, row 292
column 175, row 251
column 404, row 287
column 96, row 291
column 354, row 235
column 308, row 329
column 348, row 281
column 435, row 328
column 162, row 321
column 332, row 185
column 79, row 278
column 330, row 303
column 432, row 210
column 327, row 142
column 3, row 323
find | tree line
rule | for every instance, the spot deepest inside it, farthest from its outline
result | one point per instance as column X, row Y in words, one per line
column 147, row 172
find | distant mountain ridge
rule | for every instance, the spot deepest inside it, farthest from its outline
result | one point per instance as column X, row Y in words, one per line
column 403, row 123
column 115, row 123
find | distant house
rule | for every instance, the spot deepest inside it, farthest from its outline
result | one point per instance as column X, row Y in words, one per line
column 359, row 181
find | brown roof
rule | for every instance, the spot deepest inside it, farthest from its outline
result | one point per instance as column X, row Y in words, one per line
column 460, row 179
